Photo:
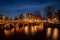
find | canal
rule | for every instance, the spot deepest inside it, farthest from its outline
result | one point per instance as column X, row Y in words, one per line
column 36, row 32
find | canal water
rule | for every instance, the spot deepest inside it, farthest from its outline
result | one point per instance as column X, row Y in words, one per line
column 30, row 33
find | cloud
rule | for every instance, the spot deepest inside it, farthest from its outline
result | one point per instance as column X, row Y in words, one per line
column 21, row 8
column 38, row 6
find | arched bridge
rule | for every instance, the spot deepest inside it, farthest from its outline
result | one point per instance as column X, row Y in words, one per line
column 19, row 23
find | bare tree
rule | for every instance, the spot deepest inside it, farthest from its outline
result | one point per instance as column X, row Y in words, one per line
column 37, row 14
column 57, row 14
column 6, row 18
column 49, row 12
column 15, row 18
column 20, row 16
column 1, row 17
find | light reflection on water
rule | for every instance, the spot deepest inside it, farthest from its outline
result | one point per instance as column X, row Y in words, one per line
column 55, row 34
column 26, row 29
column 33, row 30
column 9, row 32
column 48, row 32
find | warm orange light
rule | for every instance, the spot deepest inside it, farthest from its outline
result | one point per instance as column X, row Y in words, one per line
column 55, row 34
column 32, row 30
column 35, row 28
column 7, row 32
column 12, row 31
column 17, row 29
column 26, row 30
column 48, row 34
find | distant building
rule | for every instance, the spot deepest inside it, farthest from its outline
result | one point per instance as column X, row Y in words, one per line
column 2, row 17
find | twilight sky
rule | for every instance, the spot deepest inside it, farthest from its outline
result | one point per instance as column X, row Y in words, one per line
column 13, row 8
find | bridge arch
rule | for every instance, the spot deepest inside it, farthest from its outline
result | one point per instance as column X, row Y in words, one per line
column 9, row 29
column 8, row 26
column 19, row 25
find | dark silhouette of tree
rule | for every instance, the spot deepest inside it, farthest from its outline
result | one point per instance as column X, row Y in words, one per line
column 15, row 18
column 6, row 18
column 20, row 16
column 9, row 27
column 49, row 12
column 11, row 19
column 58, row 14
column 37, row 14
column 20, row 25
column 1, row 17
column 30, row 15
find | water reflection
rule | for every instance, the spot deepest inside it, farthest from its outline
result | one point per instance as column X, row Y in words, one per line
column 35, row 27
column 40, row 27
column 12, row 31
column 52, row 33
column 55, row 34
column 32, row 29
column 7, row 32
column 26, row 30
column 49, row 32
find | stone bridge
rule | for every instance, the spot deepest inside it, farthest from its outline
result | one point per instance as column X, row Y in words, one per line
column 19, row 23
